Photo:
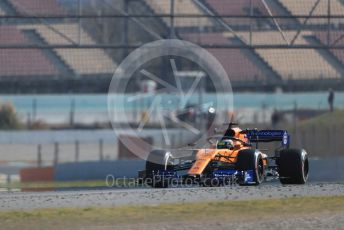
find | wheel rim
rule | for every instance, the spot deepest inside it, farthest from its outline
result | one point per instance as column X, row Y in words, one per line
column 305, row 169
column 305, row 166
column 260, row 170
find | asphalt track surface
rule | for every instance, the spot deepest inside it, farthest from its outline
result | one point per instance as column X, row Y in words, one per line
column 148, row 196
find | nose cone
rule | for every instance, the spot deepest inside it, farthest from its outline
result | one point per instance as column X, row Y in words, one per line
column 204, row 156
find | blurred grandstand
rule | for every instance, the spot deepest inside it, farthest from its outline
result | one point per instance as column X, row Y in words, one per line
column 75, row 45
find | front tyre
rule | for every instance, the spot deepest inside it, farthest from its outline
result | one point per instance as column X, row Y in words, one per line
column 249, row 159
column 158, row 161
column 293, row 166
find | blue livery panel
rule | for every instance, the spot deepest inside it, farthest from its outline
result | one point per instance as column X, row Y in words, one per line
column 269, row 136
column 243, row 177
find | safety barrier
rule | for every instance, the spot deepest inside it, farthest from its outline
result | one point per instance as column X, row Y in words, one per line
column 37, row 174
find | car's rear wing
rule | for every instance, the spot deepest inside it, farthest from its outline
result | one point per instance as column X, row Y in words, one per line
column 269, row 136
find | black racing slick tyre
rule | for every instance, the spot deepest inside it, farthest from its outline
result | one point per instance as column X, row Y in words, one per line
column 249, row 159
column 158, row 160
column 293, row 166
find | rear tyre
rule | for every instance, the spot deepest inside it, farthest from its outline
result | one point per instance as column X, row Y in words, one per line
column 293, row 166
column 157, row 161
column 249, row 159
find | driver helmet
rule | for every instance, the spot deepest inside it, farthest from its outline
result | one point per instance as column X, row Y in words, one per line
column 225, row 144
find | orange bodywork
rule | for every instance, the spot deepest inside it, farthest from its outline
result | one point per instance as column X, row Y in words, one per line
column 204, row 156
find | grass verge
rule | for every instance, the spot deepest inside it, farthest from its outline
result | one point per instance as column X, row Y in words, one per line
column 325, row 120
column 62, row 218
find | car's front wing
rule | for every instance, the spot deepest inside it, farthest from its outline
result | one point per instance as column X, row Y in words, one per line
column 216, row 177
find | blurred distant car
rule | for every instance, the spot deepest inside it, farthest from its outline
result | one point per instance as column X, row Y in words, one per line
column 188, row 113
column 191, row 112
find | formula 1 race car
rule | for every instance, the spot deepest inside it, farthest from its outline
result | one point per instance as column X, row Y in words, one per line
column 231, row 158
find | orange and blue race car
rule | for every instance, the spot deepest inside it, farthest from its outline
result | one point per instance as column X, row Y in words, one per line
column 231, row 158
